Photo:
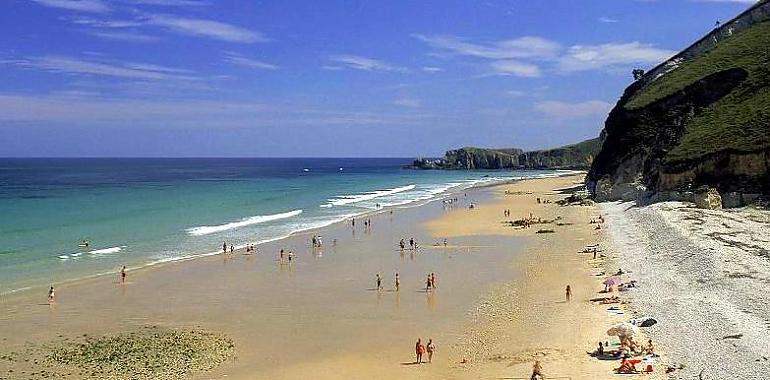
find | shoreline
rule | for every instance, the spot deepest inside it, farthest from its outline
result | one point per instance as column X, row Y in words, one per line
column 316, row 291
column 10, row 294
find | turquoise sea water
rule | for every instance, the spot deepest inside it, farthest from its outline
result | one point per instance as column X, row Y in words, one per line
column 139, row 212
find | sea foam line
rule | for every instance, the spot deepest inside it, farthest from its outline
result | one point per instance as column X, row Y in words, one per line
column 350, row 199
column 205, row 230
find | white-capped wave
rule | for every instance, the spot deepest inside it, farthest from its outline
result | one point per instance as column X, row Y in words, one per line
column 104, row 250
column 351, row 199
column 205, row 230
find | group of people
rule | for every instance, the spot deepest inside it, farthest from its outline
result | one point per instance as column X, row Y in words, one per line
column 421, row 349
column 316, row 241
column 224, row 247
column 251, row 248
column 396, row 282
column 430, row 282
column 412, row 244
column 52, row 292
column 285, row 254
column 506, row 213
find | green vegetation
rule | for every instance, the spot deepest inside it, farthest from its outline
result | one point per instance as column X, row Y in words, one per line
column 740, row 120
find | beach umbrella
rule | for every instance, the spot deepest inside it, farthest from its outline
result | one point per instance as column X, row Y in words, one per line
column 623, row 330
column 643, row 321
column 612, row 281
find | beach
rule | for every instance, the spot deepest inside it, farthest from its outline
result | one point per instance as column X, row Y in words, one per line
column 498, row 306
column 704, row 275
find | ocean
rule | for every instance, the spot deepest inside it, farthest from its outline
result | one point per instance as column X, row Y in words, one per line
column 140, row 212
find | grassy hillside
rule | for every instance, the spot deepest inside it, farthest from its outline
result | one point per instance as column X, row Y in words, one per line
column 740, row 120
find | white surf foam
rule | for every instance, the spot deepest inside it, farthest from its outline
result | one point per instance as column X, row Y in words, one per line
column 105, row 250
column 351, row 199
column 205, row 230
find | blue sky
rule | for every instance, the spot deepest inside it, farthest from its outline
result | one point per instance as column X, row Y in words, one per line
column 324, row 78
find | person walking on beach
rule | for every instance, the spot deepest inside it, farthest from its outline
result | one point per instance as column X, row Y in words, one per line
column 398, row 281
column 419, row 349
column 428, row 284
column 224, row 247
column 291, row 255
column 568, row 293
column 411, row 243
column 379, row 282
column 282, row 254
column 430, row 348
column 537, row 371
column 123, row 275
column 401, row 244
column 433, row 280
column 232, row 248
column 51, row 295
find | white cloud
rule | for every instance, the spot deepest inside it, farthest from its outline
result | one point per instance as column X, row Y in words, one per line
column 96, row 6
column 432, row 69
column 408, row 102
column 607, row 20
column 516, row 68
column 124, row 36
column 240, row 60
column 171, row 3
column 71, row 65
column 591, row 57
column 206, row 28
column 517, row 93
column 363, row 63
column 517, row 48
column 564, row 110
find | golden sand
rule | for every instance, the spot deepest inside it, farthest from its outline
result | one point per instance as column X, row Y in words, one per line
column 499, row 303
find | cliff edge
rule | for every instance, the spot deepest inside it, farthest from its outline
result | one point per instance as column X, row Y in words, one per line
column 696, row 127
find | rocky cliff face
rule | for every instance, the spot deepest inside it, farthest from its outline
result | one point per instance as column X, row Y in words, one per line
column 696, row 125
column 577, row 156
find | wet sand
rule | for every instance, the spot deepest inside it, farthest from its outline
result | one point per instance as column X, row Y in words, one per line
column 499, row 301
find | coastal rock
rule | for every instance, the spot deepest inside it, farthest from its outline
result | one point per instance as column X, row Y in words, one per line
column 708, row 199
column 575, row 156
column 698, row 120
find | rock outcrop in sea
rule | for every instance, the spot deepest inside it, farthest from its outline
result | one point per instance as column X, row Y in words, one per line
column 575, row 156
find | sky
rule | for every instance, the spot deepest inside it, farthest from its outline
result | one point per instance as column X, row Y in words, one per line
column 334, row 78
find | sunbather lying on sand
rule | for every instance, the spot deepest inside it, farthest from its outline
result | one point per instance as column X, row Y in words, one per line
column 626, row 367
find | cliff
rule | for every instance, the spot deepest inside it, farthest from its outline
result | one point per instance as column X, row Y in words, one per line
column 696, row 125
column 576, row 156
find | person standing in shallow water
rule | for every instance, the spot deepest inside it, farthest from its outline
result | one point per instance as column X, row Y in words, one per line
column 568, row 292
column 123, row 275
column 379, row 282
column 398, row 281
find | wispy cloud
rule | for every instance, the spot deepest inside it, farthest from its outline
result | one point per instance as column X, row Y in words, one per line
column 357, row 62
column 96, row 6
column 432, row 69
column 564, row 110
column 206, row 28
column 240, row 60
column 71, row 65
column 408, row 102
column 124, row 36
column 517, row 48
column 171, row 3
column 607, row 20
column 590, row 57
column 516, row 93
column 515, row 68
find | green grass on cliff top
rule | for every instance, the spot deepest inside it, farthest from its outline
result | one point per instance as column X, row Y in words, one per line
column 739, row 121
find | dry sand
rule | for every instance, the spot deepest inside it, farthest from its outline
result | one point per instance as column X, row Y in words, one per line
column 499, row 302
